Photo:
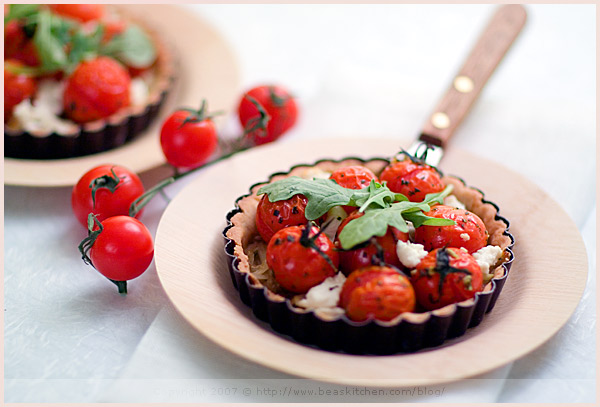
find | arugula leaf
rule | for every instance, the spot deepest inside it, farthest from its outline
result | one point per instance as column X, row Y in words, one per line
column 133, row 47
column 377, row 194
column 375, row 222
column 49, row 47
column 322, row 194
column 382, row 207
column 83, row 47
column 19, row 11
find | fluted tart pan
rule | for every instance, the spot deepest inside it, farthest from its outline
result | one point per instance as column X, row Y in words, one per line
column 408, row 332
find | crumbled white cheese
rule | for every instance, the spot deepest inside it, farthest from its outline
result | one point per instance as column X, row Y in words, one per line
column 138, row 92
column 324, row 295
column 410, row 254
column 313, row 172
column 39, row 120
column 465, row 237
column 452, row 200
column 335, row 216
column 41, row 116
column 50, row 95
column 487, row 256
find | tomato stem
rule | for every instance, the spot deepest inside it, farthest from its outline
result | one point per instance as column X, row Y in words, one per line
column 258, row 122
column 122, row 285
column 87, row 243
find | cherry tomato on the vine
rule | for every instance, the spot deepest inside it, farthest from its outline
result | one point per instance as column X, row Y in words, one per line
column 266, row 112
column 446, row 276
column 414, row 180
column 301, row 258
column 123, row 249
column 376, row 292
column 96, row 89
column 188, row 138
column 106, row 190
column 17, row 87
column 468, row 232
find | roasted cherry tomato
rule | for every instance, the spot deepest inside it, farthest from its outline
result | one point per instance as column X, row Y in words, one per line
column 96, row 89
column 414, row 180
column 446, row 276
column 275, row 114
column 188, row 138
column 106, row 190
column 368, row 253
column 274, row 216
column 18, row 46
column 123, row 249
column 112, row 27
column 301, row 258
column 81, row 12
column 376, row 292
column 17, row 87
column 468, row 232
column 353, row 177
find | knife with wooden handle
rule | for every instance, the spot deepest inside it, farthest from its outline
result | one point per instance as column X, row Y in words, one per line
column 495, row 40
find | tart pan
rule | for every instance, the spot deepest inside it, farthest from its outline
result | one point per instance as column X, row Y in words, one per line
column 409, row 332
column 101, row 135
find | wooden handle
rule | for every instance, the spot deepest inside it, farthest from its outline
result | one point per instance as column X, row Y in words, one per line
column 492, row 45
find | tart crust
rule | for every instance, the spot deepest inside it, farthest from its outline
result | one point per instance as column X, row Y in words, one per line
column 409, row 331
column 104, row 134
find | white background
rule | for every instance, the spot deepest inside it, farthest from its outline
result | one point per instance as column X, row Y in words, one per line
column 358, row 71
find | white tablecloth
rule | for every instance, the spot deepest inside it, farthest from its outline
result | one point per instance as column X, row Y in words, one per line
column 358, row 71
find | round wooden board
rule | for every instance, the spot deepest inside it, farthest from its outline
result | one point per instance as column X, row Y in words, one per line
column 532, row 307
column 207, row 69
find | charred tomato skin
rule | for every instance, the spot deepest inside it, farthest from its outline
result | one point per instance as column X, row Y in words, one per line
column 274, row 216
column 468, row 232
column 362, row 256
column 353, row 177
column 376, row 292
column 296, row 265
column 413, row 180
column 456, row 286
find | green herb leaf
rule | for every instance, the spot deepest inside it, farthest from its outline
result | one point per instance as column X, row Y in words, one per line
column 375, row 222
column 83, row 46
column 322, row 194
column 50, row 48
column 133, row 47
column 376, row 194
column 19, row 11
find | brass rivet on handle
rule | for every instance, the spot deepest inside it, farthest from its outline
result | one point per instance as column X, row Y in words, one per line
column 463, row 84
column 440, row 120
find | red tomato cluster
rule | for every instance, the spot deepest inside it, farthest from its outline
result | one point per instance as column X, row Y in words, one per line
column 376, row 285
column 95, row 89
column 120, row 246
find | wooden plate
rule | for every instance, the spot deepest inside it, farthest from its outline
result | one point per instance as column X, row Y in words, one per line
column 207, row 69
column 532, row 307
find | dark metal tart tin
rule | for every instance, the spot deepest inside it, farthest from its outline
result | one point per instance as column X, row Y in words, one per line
column 371, row 336
column 102, row 135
